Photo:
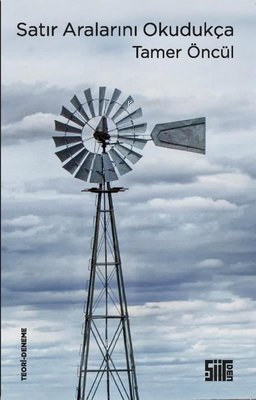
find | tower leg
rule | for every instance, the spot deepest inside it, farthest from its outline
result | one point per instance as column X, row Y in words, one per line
column 107, row 367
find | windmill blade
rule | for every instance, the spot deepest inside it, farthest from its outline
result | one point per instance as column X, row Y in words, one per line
column 108, row 168
column 140, row 128
column 76, row 103
column 97, row 170
column 186, row 135
column 102, row 91
column 127, row 103
column 68, row 152
column 84, row 169
column 139, row 143
column 131, row 155
column 113, row 100
column 60, row 127
column 72, row 165
column 69, row 115
column 121, row 165
column 134, row 115
column 88, row 96
column 66, row 140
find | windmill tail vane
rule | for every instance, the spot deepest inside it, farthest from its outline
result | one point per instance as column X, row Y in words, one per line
column 98, row 141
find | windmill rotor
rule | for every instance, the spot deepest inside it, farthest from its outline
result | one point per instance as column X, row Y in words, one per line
column 99, row 140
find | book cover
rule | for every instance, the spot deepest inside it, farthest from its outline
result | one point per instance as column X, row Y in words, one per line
column 185, row 225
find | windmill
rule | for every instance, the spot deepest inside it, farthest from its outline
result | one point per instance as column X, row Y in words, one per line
column 99, row 141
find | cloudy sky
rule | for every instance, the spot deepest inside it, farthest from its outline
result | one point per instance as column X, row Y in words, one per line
column 186, row 225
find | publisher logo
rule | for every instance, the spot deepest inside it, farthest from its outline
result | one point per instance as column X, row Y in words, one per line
column 218, row 370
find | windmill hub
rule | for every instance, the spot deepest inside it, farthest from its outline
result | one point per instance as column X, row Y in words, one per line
column 101, row 133
column 101, row 137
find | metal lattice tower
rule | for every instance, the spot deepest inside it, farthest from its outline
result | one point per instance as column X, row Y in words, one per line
column 99, row 142
column 111, row 371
